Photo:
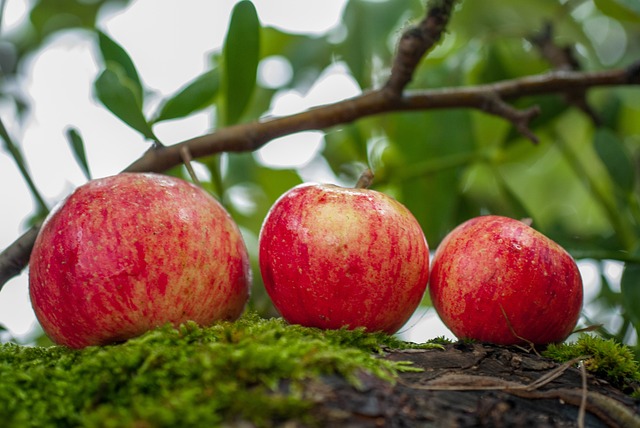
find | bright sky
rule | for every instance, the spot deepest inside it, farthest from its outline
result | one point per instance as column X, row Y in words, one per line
column 169, row 41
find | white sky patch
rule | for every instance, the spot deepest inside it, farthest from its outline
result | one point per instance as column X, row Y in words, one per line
column 169, row 41
column 590, row 277
column 302, row 17
column 300, row 148
column 334, row 84
column 16, row 313
column 296, row 150
column 15, row 12
column 613, row 271
column 424, row 325
column 274, row 71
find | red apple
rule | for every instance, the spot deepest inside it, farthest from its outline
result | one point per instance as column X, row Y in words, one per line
column 495, row 279
column 334, row 257
column 125, row 254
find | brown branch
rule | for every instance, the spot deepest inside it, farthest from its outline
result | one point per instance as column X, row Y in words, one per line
column 563, row 58
column 415, row 42
column 16, row 256
column 489, row 98
column 186, row 160
column 520, row 118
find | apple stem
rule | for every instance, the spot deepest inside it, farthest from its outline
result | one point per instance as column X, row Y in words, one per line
column 186, row 159
column 365, row 180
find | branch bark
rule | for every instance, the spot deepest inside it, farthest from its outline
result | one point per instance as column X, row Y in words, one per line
column 392, row 97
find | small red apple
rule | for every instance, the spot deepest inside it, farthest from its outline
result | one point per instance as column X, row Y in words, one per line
column 125, row 254
column 334, row 257
column 495, row 279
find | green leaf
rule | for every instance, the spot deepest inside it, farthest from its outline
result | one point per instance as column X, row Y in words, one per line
column 241, row 55
column 630, row 288
column 516, row 206
column 616, row 158
column 306, row 54
column 18, row 158
column 196, row 95
column 77, row 147
column 621, row 10
column 113, row 52
column 118, row 93
column 433, row 137
column 345, row 147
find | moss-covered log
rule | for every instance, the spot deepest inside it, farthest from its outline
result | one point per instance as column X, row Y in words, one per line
column 258, row 372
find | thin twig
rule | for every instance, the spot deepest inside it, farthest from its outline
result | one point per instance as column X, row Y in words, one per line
column 563, row 58
column 520, row 118
column 532, row 346
column 553, row 374
column 583, row 403
column 415, row 43
column 186, row 159
column 365, row 180
column 464, row 382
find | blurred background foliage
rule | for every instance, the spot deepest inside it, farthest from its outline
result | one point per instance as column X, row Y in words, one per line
column 579, row 185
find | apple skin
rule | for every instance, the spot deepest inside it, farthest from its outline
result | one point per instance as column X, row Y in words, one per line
column 492, row 263
column 125, row 254
column 334, row 257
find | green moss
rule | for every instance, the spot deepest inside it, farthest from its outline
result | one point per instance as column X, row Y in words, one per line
column 251, row 369
column 605, row 358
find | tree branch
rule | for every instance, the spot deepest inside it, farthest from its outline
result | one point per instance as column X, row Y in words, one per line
column 563, row 58
column 415, row 43
column 16, row 256
column 489, row 98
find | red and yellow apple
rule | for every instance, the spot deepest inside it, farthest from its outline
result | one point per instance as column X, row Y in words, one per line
column 125, row 254
column 334, row 257
column 495, row 279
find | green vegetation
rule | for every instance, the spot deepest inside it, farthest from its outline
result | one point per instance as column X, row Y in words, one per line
column 605, row 358
column 251, row 369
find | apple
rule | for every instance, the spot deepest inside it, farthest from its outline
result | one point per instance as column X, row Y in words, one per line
column 495, row 279
column 124, row 254
column 334, row 257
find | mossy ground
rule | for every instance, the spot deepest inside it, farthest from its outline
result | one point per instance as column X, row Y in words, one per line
column 605, row 358
column 252, row 369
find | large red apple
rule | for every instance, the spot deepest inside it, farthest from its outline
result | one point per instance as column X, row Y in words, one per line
column 334, row 257
column 495, row 279
column 124, row 254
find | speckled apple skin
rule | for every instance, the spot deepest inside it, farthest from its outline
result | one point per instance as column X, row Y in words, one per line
column 491, row 263
column 124, row 254
column 334, row 257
